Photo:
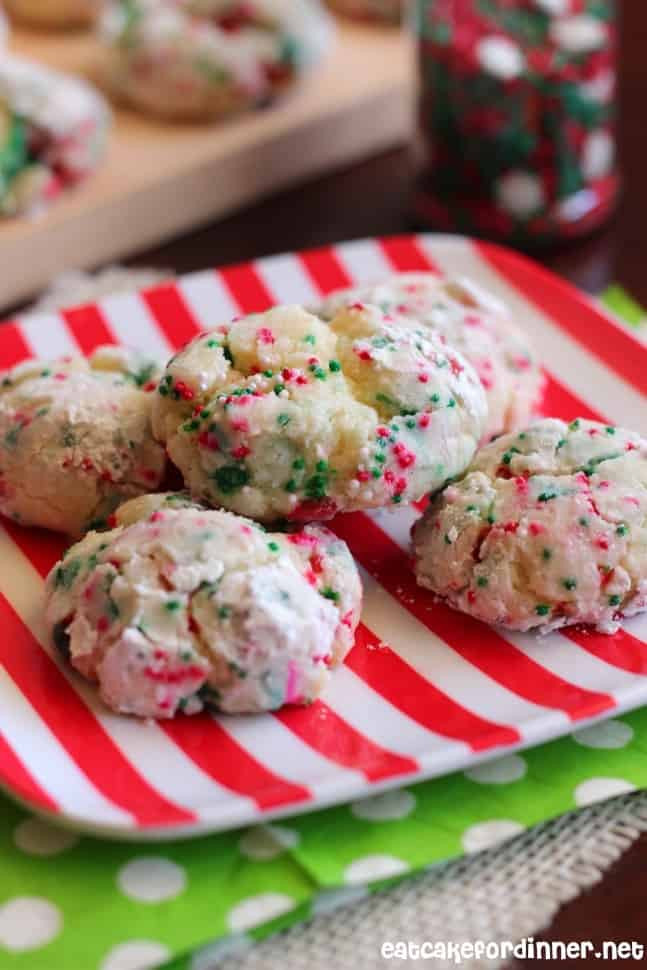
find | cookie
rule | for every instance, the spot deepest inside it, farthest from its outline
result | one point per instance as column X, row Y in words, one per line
column 388, row 11
column 205, row 59
column 184, row 608
column 53, row 133
column 472, row 321
column 76, row 439
column 548, row 528
column 280, row 415
column 55, row 13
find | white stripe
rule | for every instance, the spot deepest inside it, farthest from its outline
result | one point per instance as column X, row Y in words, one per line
column 443, row 667
column 380, row 721
column 568, row 360
column 48, row 336
column 48, row 761
column 208, row 299
column 363, row 260
column 286, row 280
column 637, row 627
column 146, row 746
column 281, row 751
column 396, row 523
column 134, row 325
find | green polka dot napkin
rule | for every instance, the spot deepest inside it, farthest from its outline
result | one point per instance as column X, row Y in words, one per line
column 77, row 903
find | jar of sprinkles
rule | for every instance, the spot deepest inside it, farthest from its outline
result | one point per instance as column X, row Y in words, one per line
column 516, row 117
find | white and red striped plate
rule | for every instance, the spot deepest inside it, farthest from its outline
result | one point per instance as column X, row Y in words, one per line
column 425, row 691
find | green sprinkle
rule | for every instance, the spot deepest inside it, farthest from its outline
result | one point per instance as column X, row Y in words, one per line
column 299, row 463
column 278, row 388
column 283, row 419
column 583, row 521
column 319, row 373
column 334, row 366
column 482, row 581
column 569, row 583
column 451, row 403
column 615, row 600
column 310, row 339
column 542, row 609
column 212, row 343
column 268, row 373
column 192, row 425
column 522, row 436
column 546, row 554
column 397, row 498
column 410, row 424
column 610, row 430
column 330, row 594
column 45, row 372
column 471, row 508
column 316, row 486
column 172, row 606
column 205, row 414
column 376, row 472
column 622, row 529
column 321, row 466
column 547, row 496
column 380, row 458
column 230, row 478
column 561, row 443
column 66, row 574
column 491, row 519
column 273, row 546
column 224, row 612
column 291, row 486
column 574, row 425
column 435, row 398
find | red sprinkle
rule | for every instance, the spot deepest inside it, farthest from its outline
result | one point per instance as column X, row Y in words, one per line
column 510, row 527
column 363, row 476
column 208, row 440
column 242, row 451
column 423, row 421
column 423, row 378
column 602, row 542
column 265, row 335
column 535, row 529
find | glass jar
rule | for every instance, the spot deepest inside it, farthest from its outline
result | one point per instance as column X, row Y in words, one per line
column 516, row 117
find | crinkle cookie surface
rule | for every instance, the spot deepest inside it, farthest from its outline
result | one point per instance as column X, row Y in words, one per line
column 547, row 528
column 76, row 438
column 202, row 59
column 180, row 607
column 474, row 322
column 279, row 415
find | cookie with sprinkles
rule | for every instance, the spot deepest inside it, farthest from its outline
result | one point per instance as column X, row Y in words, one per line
column 205, row 59
column 76, row 438
column 280, row 415
column 180, row 608
column 474, row 322
column 548, row 528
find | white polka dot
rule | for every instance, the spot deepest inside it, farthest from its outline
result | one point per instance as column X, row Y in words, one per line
column 598, row 155
column 372, row 867
column 267, row 841
column 150, row 879
column 520, row 193
column 258, row 909
column 331, row 899
column 387, row 807
column 500, row 57
column 28, row 922
column 608, row 734
column 601, row 88
column 553, row 7
column 36, row 837
column 599, row 789
column 135, row 955
column 231, row 946
column 484, row 835
column 499, row 772
column 577, row 35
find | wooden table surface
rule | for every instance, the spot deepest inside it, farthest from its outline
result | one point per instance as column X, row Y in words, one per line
column 372, row 199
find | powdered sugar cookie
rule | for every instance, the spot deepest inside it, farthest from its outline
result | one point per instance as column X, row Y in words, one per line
column 53, row 131
column 548, row 528
column 55, row 13
column 472, row 321
column 281, row 415
column 203, row 59
column 76, row 438
column 189, row 607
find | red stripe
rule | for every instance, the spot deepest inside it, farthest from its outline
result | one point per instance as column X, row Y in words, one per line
column 42, row 548
column 391, row 677
column 562, row 302
column 13, row 346
column 171, row 314
column 559, row 402
column 17, row 778
column 325, row 731
column 325, row 270
column 88, row 327
column 620, row 650
column 474, row 641
column 59, row 706
column 406, row 255
column 207, row 743
column 247, row 288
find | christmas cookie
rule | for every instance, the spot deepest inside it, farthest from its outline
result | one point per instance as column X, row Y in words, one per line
column 381, row 10
column 76, row 439
column 281, row 415
column 183, row 608
column 53, row 131
column 202, row 59
column 474, row 322
column 55, row 13
column 547, row 529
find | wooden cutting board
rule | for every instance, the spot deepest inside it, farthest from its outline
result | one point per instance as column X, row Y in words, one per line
column 161, row 179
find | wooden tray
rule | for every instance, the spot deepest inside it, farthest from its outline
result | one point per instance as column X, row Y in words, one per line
column 161, row 179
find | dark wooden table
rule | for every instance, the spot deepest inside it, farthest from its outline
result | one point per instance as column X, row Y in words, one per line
column 372, row 199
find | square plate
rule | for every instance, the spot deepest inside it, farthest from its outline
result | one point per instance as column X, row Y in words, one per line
column 425, row 691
